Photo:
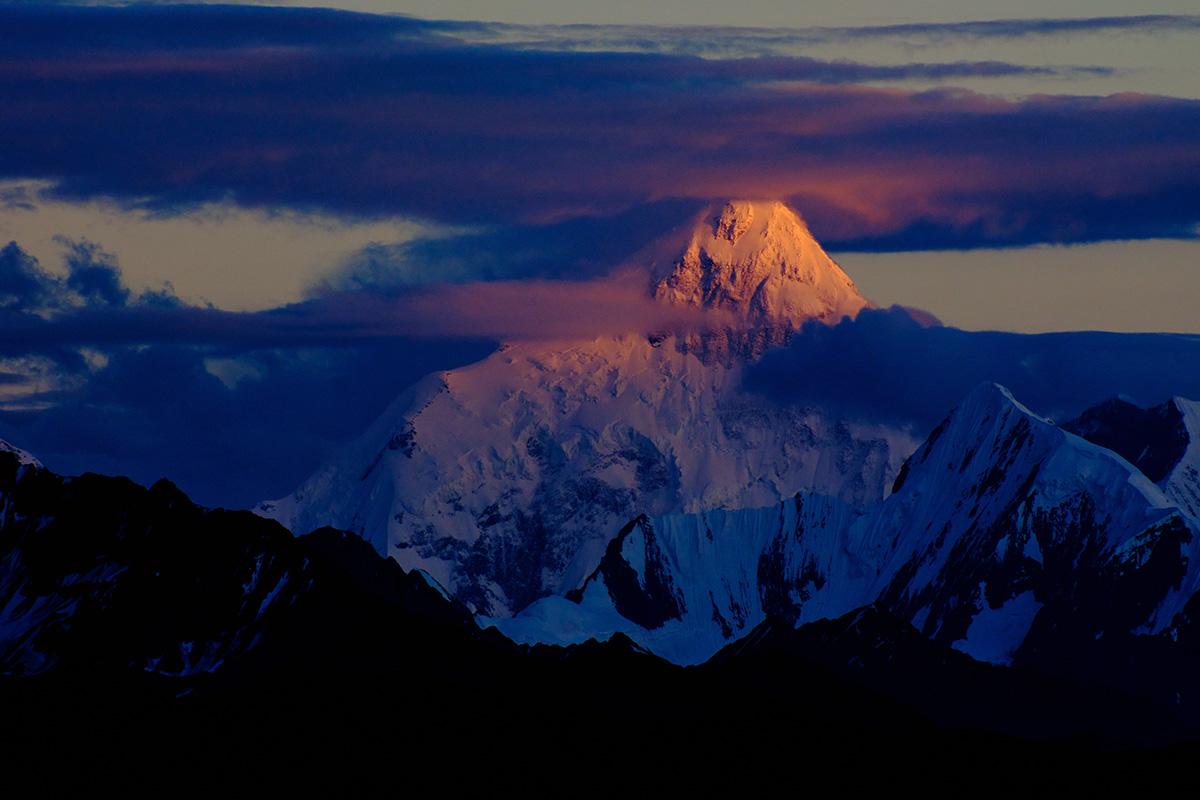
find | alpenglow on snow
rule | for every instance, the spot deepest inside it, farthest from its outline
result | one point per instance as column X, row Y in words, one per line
column 506, row 479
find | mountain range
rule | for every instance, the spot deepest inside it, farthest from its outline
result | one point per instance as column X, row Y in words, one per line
column 506, row 479
column 612, row 550
column 147, row 638
column 568, row 491
column 1005, row 537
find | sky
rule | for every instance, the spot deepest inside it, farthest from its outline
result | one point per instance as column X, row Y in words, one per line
column 221, row 216
column 750, row 13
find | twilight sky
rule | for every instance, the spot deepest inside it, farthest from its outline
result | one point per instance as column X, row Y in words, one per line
column 218, row 211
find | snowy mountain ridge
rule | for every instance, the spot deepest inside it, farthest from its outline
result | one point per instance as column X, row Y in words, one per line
column 506, row 479
column 24, row 457
column 1002, row 529
column 1182, row 485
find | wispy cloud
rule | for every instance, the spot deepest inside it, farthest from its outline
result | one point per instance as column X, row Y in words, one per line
column 502, row 310
column 45, row 314
column 724, row 41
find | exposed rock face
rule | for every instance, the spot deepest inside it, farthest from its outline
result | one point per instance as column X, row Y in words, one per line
column 1006, row 537
column 99, row 575
column 758, row 261
column 1152, row 439
column 1182, row 483
column 1162, row 441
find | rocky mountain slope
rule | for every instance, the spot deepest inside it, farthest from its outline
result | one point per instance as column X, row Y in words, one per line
column 758, row 262
column 212, row 647
column 1162, row 441
column 100, row 574
column 1182, row 484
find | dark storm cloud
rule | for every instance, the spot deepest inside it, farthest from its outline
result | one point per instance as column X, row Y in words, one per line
column 168, row 107
column 884, row 366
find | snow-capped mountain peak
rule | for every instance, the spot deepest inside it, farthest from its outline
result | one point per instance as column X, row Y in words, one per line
column 1162, row 441
column 23, row 457
column 1004, row 529
column 505, row 480
column 1182, row 484
column 758, row 260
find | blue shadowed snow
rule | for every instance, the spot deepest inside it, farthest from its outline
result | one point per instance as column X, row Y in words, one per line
column 996, row 633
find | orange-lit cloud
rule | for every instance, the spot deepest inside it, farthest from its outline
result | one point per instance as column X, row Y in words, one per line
column 378, row 116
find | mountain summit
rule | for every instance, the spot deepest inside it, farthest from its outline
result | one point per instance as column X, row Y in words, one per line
column 506, row 479
column 758, row 260
column 24, row 458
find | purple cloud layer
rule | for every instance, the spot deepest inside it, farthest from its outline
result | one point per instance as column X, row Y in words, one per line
column 368, row 115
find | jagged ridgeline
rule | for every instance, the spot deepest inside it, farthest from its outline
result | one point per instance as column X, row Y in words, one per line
column 147, row 639
column 1006, row 537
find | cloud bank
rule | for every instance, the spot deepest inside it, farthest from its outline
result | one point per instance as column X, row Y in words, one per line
column 885, row 366
column 45, row 314
column 236, row 407
column 372, row 116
